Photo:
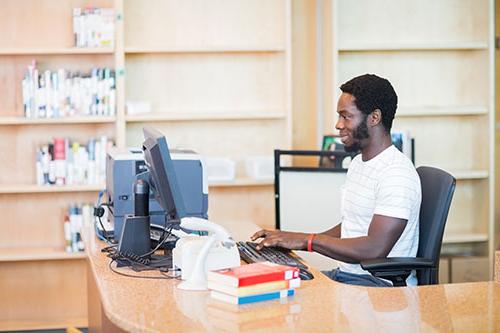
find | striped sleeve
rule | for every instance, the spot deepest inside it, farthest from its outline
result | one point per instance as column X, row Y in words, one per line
column 397, row 192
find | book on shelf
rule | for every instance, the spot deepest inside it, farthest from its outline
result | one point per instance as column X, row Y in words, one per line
column 252, row 274
column 93, row 27
column 66, row 162
column 255, row 288
column 252, row 298
column 77, row 216
column 62, row 93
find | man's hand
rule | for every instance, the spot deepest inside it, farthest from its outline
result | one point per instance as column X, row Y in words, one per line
column 288, row 240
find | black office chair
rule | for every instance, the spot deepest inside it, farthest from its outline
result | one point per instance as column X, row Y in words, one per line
column 437, row 191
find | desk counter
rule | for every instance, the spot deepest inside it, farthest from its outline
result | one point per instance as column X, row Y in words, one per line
column 320, row 305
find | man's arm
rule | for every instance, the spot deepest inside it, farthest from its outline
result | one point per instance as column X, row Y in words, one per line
column 383, row 233
column 333, row 232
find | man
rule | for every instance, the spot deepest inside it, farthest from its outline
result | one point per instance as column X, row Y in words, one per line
column 381, row 197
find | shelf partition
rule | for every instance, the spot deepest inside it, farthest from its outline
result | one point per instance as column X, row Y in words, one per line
column 465, row 238
column 57, row 50
column 414, row 46
column 207, row 49
column 56, row 121
column 470, row 174
column 28, row 188
column 441, row 110
column 196, row 116
column 242, row 183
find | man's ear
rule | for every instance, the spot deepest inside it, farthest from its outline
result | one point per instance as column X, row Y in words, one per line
column 375, row 118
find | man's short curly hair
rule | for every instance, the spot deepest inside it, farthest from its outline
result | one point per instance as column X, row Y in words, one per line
column 373, row 92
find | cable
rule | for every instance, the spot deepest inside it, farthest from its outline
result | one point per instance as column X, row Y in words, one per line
column 109, row 249
column 132, row 260
column 99, row 212
column 161, row 240
column 136, row 262
column 163, row 277
column 105, row 238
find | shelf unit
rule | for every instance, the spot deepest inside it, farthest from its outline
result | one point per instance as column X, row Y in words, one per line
column 28, row 188
column 53, row 51
column 218, row 80
column 16, row 120
column 439, row 57
column 34, row 267
column 414, row 46
column 244, row 48
column 205, row 115
column 248, row 71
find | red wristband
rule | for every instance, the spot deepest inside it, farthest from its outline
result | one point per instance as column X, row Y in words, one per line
column 310, row 242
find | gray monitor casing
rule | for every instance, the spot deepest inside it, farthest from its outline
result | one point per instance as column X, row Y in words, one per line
column 124, row 167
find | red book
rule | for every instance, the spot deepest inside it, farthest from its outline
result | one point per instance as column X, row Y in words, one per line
column 59, row 149
column 60, row 161
column 251, row 274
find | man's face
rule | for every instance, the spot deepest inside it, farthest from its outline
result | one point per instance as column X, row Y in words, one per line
column 351, row 123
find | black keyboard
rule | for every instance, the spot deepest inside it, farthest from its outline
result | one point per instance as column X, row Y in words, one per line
column 250, row 254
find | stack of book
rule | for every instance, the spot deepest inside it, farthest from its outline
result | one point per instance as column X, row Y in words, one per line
column 64, row 93
column 67, row 162
column 94, row 27
column 77, row 216
column 253, row 283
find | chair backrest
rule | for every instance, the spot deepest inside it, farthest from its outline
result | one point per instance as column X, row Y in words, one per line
column 438, row 187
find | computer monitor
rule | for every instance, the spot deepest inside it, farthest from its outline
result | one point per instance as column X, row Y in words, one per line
column 164, row 179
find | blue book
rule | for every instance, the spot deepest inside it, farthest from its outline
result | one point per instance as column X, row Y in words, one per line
column 252, row 298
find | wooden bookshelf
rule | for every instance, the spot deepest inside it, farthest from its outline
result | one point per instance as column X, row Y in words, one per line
column 213, row 89
column 242, row 183
column 61, row 120
column 28, row 188
column 218, row 90
column 204, row 115
column 469, row 174
column 441, row 111
column 54, row 51
column 32, row 259
column 439, row 57
column 209, row 49
column 415, row 46
column 466, row 238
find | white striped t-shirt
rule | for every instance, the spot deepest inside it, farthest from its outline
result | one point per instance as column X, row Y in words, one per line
column 388, row 185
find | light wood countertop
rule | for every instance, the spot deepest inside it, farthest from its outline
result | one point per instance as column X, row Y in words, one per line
column 319, row 305
column 497, row 266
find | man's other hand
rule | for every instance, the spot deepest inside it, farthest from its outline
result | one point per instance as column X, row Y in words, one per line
column 288, row 240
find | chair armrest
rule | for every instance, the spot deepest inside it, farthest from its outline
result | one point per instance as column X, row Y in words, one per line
column 395, row 269
column 396, row 263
